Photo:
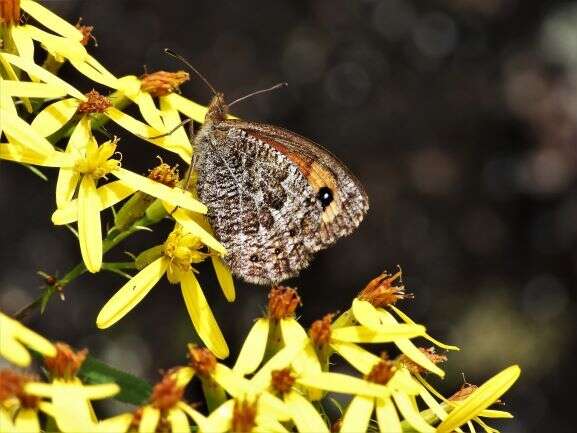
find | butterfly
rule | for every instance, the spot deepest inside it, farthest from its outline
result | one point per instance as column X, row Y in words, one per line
column 274, row 198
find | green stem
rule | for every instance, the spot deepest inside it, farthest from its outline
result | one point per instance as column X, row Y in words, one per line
column 214, row 394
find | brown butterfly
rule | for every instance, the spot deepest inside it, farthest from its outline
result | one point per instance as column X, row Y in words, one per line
column 274, row 198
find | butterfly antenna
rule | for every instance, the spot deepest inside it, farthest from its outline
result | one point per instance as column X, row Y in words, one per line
column 258, row 92
column 192, row 68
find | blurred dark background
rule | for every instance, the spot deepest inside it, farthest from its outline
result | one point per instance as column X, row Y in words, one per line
column 460, row 118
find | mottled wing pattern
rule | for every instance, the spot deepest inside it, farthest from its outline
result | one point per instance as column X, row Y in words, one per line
column 261, row 206
column 322, row 170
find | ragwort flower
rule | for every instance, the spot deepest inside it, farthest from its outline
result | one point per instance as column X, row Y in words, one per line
column 176, row 259
column 15, row 337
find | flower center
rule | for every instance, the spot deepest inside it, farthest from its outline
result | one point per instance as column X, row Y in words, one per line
column 12, row 386
column 182, row 250
column 201, row 360
column 243, row 416
column 380, row 291
column 66, row 363
column 320, row 331
column 282, row 380
column 95, row 103
column 9, row 12
column 166, row 394
column 162, row 83
column 98, row 161
column 282, row 302
column 382, row 372
column 165, row 174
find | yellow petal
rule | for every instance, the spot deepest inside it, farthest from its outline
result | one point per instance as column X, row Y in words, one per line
column 18, row 153
column 12, row 334
column 231, row 382
column 387, row 417
column 149, row 420
column 18, row 130
column 34, row 341
column 224, row 278
column 57, row 45
column 411, row 414
column 190, row 109
column 408, row 348
column 175, row 196
column 12, row 75
column 69, row 399
column 304, row 415
column 358, row 415
column 433, row 404
column 27, row 421
column 50, row 20
column 280, row 360
column 292, row 331
column 358, row 357
column 480, row 399
column 131, row 293
column 54, row 116
column 408, row 320
column 366, row 314
column 185, row 220
column 171, row 119
column 149, row 111
column 108, row 194
column 345, row 384
column 201, row 421
column 183, row 376
column 86, row 69
column 110, row 80
column 253, row 349
column 143, row 130
column 178, row 421
column 201, row 315
column 32, row 90
column 273, row 406
column 23, row 42
column 36, row 71
column 361, row 334
column 89, row 229
column 129, row 85
column 116, row 424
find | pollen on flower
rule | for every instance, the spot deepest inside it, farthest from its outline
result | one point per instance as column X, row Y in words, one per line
column 380, row 290
column 382, row 372
column 95, row 103
column 282, row 302
column 182, row 249
column 166, row 394
column 162, row 83
column 86, row 33
column 415, row 368
column 283, row 380
column 202, row 360
column 243, row 416
column 9, row 12
column 164, row 174
column 66, row 363
column 12, row 386
column 320, row 331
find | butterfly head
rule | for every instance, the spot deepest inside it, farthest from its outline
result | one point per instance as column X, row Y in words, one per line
column 217, row 109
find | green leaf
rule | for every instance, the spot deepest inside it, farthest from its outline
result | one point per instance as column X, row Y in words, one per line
column 132, row 389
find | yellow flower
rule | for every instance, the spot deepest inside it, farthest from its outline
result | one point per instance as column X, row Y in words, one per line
column 18, row 410
column 53, row 117
column 282, row 303
column 81, row 167
column 167, row 411
column 178, row 254
column 388, row 389
column 280, row 377
column 15, row 337
column 70, row 398
column 242, row 415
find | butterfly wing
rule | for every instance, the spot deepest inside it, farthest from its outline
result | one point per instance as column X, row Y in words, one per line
column 261, row 185
column 323, row 171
